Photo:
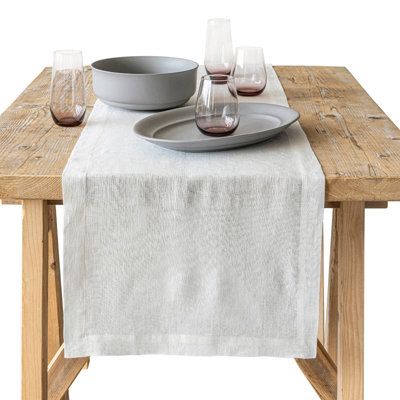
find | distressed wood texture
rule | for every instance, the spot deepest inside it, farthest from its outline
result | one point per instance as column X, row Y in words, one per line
column 55, row 320
column 55, row 307
column 34, row 300
column 350, row 281
column 321, row 373
column 321, row 321
column 62, row 373
column 331, row 331
column 34, row 150
column 356, row 143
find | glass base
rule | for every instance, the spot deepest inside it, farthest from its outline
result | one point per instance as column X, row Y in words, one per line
column 216, row 131
column 249, row 91
column 67, row 120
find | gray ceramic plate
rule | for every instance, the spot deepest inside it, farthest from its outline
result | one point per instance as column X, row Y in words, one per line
column 177, row 130
column 144, row 82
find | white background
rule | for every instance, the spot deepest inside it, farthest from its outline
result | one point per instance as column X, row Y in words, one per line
column 362, row 35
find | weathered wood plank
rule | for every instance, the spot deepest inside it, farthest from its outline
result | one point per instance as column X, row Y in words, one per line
column 331, row 338
column 62, row 373
column 321, row 321
column 368, row 204
column 55, row 320
column 321, row 373
column 10, row 202
column 350, row 351
column 34, row 300
column 55, row 307
column 33, row 150
column 355, row 142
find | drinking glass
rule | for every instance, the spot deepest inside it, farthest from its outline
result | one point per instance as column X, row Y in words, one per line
column 67, row 103
column 219, row 52
column 250, row 72
column 217, row 107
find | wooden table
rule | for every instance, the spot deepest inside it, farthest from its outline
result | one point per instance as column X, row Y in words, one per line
column 359, row 151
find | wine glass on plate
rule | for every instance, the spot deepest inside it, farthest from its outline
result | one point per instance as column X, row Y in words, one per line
column 217, row 107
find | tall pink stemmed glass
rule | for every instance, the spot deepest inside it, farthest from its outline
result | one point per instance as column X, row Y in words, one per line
column 219, row 57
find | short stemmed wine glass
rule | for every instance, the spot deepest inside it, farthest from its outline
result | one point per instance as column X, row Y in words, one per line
column 217, row 107
column 67, row 103
column 249, row 71
column 219, row 57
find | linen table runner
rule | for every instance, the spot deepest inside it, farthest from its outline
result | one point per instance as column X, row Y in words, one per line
column 193, row 254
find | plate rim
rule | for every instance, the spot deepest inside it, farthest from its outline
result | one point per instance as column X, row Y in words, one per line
column 215, row 140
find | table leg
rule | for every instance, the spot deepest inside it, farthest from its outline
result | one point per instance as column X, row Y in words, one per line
column 34, row 299
column 321, row 322
column 331, row 330
column 350, row 275
column 55, row 313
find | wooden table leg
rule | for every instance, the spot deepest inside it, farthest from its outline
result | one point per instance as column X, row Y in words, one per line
column 331, row 330
column 331, row 333
column 350, row 274
column 55, row 319
column 34, row 299
column 321, row 322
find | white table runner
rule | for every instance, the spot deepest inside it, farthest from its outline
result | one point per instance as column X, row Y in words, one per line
column 196, row 254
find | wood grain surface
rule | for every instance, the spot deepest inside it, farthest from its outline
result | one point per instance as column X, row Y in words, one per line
column 55, row 322
column 33, row 150
column 34, row 300
column 61, row 374
column 332, row 313
column 350, row 280
column 356, row 143
column 321, row 373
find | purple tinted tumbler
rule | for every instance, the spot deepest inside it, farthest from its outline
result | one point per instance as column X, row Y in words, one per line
column 217, row 107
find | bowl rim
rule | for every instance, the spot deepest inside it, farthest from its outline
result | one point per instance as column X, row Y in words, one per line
column 194, row 67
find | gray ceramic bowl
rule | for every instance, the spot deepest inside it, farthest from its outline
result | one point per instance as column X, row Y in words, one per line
column 144, row 82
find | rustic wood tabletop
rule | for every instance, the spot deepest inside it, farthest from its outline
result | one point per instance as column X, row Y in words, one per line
column 355, row 142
